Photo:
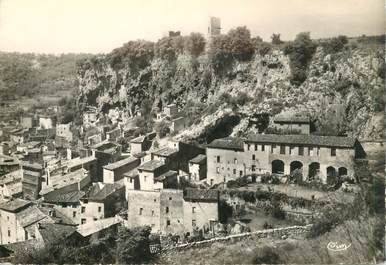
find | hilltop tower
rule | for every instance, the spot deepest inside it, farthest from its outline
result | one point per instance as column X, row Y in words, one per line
column 214, row 27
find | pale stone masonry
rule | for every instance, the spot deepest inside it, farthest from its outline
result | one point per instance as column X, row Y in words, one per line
column 326, row 157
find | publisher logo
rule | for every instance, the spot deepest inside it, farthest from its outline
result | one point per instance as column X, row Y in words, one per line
column 336, row 246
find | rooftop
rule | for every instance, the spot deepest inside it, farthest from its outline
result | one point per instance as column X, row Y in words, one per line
column 167, row 151
column 131, row 174
column 80, row 161
column 227, row 143
column 101, row 192
column 30, row 216
column 200, row 159
column 122, row 163
column 35, row 166
column 60, row 181
column 201, row 195
column 138, row 140
column 14, row 205
column 69, row 197
column 151, row 165
column 292, row 118
column 96, row 226
column 55, row 232
column 166, row 175
column 316, row 140
column 106, row 146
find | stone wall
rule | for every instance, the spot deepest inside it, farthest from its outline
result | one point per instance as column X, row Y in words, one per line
column 292, row 231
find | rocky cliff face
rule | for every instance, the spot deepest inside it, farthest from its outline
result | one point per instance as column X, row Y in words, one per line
column 339, row 92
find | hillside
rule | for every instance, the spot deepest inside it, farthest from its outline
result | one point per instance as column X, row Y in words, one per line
column 27, row 75
column 224, row 93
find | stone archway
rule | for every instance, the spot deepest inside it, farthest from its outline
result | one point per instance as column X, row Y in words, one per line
column 313, row 170
column 342, row 171
column 331, row 175
column 277, row 167
column 296, row 165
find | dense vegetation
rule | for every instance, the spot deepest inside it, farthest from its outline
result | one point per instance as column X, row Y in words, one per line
column 34, row 75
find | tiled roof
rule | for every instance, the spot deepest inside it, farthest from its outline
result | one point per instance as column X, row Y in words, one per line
column 165, row 151
column 200, row 159
column 96, row 226
column 131, row 174
column 97, row 193
column 227, row 143
column 30, row 216
column 316, row 140
column 166, row 175
column 52, row 233
column 151, row 165
column 79, row 161
column 123, row 162
column 58, row 197
column 14, row 205
column 201, row 195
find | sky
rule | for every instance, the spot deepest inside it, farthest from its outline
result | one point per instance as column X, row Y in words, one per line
column 98, row 26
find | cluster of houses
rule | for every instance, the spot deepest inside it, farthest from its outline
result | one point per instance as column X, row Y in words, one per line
column 59, row 184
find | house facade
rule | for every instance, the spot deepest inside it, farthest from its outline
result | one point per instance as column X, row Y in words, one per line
column 323, row 157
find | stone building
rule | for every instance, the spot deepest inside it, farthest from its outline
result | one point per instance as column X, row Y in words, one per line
column 214, row 27
column 32, row 180
column 46, row 122
column 148, row 172
column 114, row 172
column 177, row 124
column 294, row 124
column 197, row 168
column 105, row 152
column 169, row 156
column 64, row 136
column 324, row 157
column 173, row 211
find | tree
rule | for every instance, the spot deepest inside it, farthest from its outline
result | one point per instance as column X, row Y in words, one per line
column 335, row 45
column 276, row 39
column 225, row 211
column 168, row 48
column 300, row 53
column 240, row 43
column 134, row 245
column 162, row 128
column 194, row 44
column 136, row 54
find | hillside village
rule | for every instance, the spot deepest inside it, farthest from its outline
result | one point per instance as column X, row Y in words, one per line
column 76, row 180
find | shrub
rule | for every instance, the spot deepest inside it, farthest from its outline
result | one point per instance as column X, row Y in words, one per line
column 240, row 43
column 225, row 211
column 266, row 255
column 162, row 128
column 334, row 45
column 168, row 48
column 300, row 53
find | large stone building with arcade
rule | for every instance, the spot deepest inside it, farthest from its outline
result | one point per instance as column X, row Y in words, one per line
column 323, row 157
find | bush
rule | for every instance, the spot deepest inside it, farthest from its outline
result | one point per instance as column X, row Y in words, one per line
column 300, row 53
column 162, row 128
column 168, row 48
column 266, row 255
column 225, row 211
column 334, row 45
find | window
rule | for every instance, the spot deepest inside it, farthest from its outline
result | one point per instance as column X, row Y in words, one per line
column 73, row 214
column 253, row 157
column 168, row 222
column 262, row 147
column 99, row 209
column 9, row 233
column 144, row 178
column 218, row 159
column 241, row 173
column 317, row 151
column 291, row 149
column 248, row 147
column 167, row 210
column 310, row 151
column 301, row 150
column 95, row 218
column 193, row 209
column 333, row 151
column 7, row 218
column 211, row 182
column 152, row 212
column 155, row 200
column 253, row 168
column 273, row 147
column 140, row 211
column 194, row 223
column 217, row 170
column 83, row 221
column 82, row 210
column 235, row 160
column 131, row 180
column 26, row 235
column 170, row 198
column 255, row 147
column 234, row 171
column 282, row 149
